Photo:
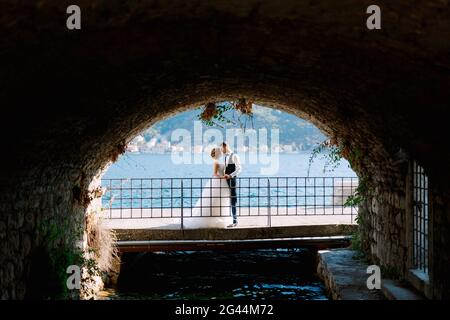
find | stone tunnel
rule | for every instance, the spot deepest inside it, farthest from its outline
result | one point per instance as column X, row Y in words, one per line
column 72, row 99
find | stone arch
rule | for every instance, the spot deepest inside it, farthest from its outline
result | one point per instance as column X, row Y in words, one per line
column 74, row 98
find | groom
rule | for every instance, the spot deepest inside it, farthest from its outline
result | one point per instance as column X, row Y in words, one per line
column 232, row 169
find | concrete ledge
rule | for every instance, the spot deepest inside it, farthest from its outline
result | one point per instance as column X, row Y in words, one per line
column 420, row 281
column 315, row 243
column 345, row 275
column 235, row 233
column 394, row 290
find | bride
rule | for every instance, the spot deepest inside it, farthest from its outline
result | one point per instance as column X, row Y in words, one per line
column 213, row 207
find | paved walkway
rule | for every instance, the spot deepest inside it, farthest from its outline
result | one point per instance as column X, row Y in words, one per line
column 171, row 219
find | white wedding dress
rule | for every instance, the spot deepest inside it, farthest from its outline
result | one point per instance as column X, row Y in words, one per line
column 212, row 209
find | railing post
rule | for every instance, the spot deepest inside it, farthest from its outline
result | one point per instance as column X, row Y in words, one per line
column 352, row 206
column 269, row 217
column 120, row 204
column 182, row 203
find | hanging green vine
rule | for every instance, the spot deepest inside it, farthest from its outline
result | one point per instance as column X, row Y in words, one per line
column 330, row 151
column 333, row 153
column 358, row 196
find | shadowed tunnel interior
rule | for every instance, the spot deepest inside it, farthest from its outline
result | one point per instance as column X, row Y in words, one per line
column 71, row 100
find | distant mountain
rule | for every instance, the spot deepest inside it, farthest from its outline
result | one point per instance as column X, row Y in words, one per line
column 294, row 131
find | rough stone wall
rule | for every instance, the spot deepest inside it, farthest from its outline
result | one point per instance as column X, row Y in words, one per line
column 70, row 100
column 36, row 209
column 385, row 231
column 45, row 215
column 440, row 262
column 383, row 214
column 387, row 234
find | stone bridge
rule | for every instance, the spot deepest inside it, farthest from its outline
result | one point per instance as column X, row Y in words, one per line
column 71, row 100
column 312, row 236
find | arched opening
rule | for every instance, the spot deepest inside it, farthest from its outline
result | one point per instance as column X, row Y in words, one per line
column 164, row 174
column 115, row 143
column 89, row 93
column 277, row 150
column 185, row 133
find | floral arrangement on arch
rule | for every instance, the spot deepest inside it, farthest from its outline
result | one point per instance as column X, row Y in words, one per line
column 213, row 114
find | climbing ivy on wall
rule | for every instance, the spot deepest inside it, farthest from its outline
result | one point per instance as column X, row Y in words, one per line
column 333, row 152
column 59, row 251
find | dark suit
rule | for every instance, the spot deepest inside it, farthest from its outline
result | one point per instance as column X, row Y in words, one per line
column 232, row 183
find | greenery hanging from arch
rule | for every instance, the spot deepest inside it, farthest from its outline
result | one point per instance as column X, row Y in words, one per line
column 213, row 114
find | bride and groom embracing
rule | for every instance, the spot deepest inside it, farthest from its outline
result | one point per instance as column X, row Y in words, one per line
column 219, row 194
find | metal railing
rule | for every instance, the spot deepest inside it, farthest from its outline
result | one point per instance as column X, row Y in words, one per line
column 144, row 198
column 420, row 218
